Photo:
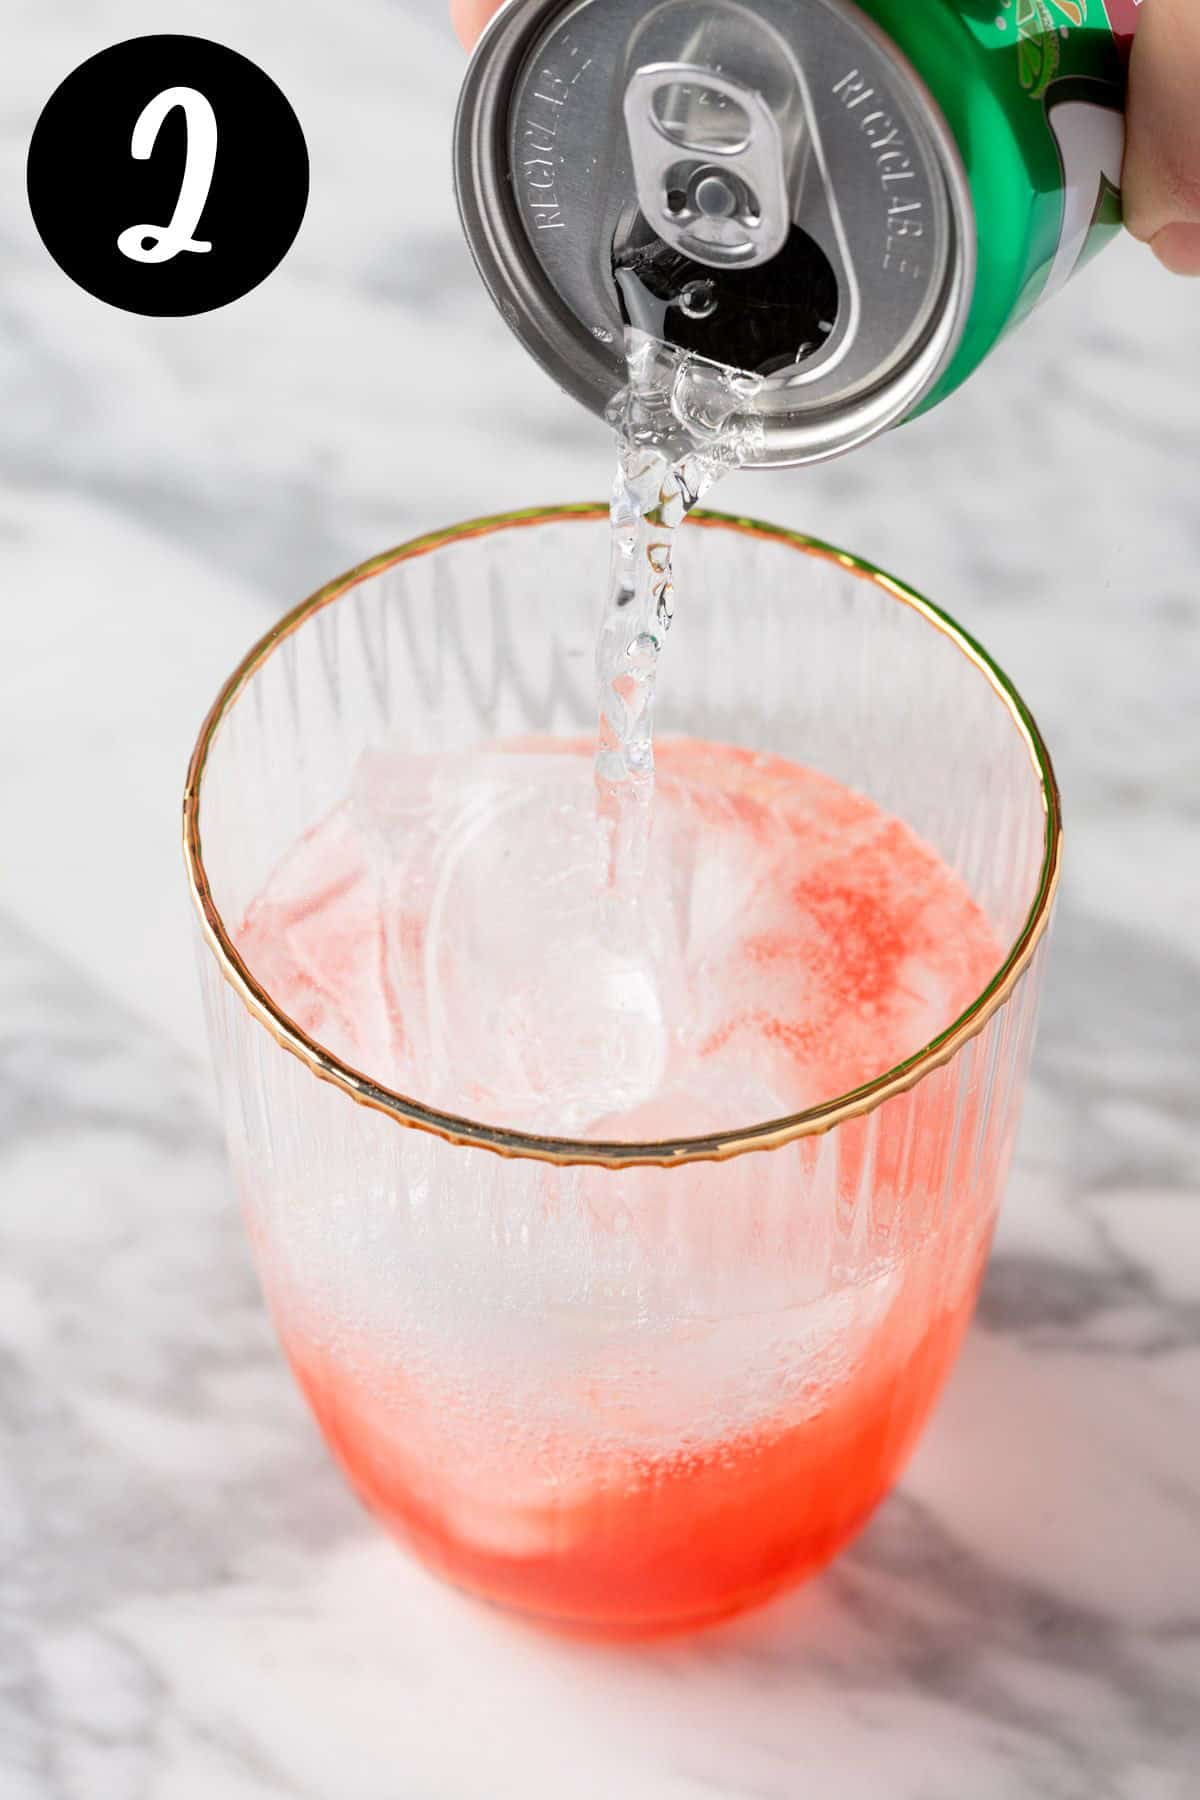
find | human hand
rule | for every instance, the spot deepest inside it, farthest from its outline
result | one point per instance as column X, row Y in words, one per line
column 1162, row 162
column 470, row 17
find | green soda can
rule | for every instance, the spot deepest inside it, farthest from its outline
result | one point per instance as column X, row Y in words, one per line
column 853, row 203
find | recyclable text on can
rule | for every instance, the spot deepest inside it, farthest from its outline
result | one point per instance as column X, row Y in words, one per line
column 855, row 202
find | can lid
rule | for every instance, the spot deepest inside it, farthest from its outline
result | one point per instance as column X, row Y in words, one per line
column 770, row 185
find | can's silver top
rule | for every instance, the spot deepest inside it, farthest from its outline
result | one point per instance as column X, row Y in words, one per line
column 767, row 183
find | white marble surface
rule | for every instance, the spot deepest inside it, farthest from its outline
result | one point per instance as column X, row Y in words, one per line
column 191, row 1606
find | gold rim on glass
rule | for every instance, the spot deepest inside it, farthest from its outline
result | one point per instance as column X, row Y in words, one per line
column 567, row 1151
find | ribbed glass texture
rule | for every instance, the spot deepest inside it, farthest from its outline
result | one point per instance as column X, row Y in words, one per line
column 630, row 1399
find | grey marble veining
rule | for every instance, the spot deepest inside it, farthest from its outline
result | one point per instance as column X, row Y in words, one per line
column 190, row 1603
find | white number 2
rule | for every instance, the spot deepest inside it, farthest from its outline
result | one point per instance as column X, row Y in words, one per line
column 1091, row 144
column 159, row 243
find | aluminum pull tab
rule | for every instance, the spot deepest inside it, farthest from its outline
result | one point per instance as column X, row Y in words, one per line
column 709, row 165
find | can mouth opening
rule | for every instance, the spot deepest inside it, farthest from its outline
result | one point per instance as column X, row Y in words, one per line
column 849, row 325
column 764, row 321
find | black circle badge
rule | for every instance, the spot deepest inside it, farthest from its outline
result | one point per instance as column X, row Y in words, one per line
column 168, row 176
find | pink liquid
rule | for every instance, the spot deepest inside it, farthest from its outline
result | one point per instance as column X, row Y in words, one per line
column 814, row 944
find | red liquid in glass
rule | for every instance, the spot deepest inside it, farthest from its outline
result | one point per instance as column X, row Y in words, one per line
column 861, row 947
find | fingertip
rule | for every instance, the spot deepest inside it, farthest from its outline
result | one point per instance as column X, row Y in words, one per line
column 469, row 18
column 1177, row 247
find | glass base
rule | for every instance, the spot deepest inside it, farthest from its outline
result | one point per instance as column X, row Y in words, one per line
column 658, row 1546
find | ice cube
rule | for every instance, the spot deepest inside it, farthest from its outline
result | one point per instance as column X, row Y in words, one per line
column 314, row 942
column 534, row 1015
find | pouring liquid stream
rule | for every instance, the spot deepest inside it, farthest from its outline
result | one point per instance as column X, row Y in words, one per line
column 681, row 423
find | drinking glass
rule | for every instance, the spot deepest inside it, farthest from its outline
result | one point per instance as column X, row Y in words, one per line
column 633, row 1387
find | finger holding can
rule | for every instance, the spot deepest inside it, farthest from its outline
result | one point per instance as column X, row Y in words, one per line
column 470, row 16
column 1162, row 167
